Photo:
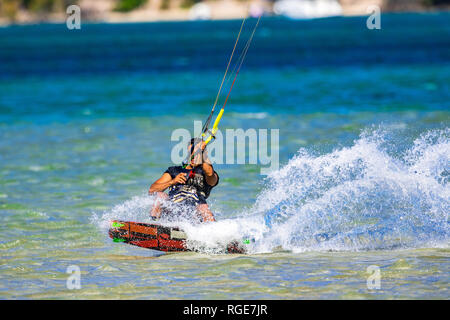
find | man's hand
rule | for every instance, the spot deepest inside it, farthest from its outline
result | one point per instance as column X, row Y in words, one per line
column 162, row 183
column 205, row 157
column 179, row 179
column 200, row 154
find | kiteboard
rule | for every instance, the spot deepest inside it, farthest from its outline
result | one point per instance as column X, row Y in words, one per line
column 158, row 237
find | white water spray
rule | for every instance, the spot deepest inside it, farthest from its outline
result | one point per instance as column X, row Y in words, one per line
column 363, row 197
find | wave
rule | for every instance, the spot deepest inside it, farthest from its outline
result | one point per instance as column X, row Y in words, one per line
column 363, row 197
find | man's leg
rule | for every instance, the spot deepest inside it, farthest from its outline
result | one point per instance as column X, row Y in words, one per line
column 156, row 210
column 207, row 215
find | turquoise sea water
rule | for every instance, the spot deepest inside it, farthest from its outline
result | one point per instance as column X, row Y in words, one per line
column 86, row 119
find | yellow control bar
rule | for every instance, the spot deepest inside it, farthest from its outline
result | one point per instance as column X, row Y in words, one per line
column 215, row 126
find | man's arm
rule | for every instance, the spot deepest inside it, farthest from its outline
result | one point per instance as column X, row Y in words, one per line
column 211, row 176
column 166, row 181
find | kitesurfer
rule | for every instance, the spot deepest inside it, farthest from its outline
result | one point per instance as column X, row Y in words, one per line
column 189, row 184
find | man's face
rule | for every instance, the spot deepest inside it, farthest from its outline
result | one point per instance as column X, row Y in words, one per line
column 197, row 159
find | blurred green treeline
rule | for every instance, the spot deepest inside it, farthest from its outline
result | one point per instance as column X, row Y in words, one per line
column 10, row 8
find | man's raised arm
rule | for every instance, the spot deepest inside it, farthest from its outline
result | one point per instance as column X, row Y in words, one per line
column 166, row 181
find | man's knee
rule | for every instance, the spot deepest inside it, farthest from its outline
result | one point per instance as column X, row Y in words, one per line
column 207, row 215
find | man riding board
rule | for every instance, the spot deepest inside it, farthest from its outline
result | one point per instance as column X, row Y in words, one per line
column 190, row 184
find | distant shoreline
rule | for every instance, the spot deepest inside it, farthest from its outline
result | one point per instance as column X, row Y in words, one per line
column 102, row 12
column 125, row 21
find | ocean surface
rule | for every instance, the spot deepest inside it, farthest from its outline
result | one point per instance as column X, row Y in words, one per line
column 86, row 119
